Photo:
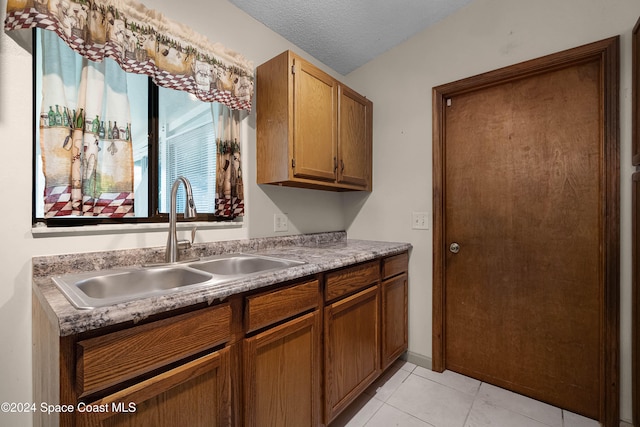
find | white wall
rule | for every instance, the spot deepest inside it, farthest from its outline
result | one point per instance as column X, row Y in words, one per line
column 485, row 35
column 308, row 211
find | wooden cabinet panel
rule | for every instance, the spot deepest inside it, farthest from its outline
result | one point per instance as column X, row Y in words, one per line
column 273, row 306
column 116, row 357
column 394, row 319
column 354, row 138
column 274, row 120
column 194, row 394
column 314, row 117
column 349, row 280
column 351, row 348
column 282, row 374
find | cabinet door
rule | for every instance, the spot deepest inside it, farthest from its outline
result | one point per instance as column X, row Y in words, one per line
column 354, row 138
column 314, row 121
column 282, row 374
column 193, row 394
column 351, row 337
column 394, row 319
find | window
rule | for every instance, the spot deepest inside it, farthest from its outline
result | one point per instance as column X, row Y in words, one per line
column 170, row 133
column 187, row 146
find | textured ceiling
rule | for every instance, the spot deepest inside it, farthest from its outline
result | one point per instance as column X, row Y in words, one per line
column 345, row 34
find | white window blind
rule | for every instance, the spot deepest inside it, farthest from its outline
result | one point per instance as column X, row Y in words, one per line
column 191, row 152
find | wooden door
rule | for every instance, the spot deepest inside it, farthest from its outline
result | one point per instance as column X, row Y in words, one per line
column 314, row 122
column 351, row 348
column 526, row 248
column 282, row 374
column 193, row 394
column 354, row 138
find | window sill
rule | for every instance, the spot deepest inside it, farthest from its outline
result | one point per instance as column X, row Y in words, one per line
column 87, row 230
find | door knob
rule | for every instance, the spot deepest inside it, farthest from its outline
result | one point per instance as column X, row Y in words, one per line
column 454, row 248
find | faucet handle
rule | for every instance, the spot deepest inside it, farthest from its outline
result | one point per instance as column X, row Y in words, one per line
column 184, row 245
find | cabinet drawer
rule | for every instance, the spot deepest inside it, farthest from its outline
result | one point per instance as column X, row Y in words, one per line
column 113, row 358
column 351, row 279
column 395, row 265
column 196, row 393
column 270, row 307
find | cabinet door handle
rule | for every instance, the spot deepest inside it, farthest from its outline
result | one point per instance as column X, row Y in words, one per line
column 341, row 166
column 335, row 164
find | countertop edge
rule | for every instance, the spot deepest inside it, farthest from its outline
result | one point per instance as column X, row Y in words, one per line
column 319, row 257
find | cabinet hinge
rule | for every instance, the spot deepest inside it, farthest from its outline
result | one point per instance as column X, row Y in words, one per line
column 293, row 163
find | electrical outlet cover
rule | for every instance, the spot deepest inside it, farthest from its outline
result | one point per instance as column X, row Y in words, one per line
column 420, row 220
column 280, row 223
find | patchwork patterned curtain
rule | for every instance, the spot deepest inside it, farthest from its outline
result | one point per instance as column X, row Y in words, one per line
column 79, row 135
column 142, row 41
column 85, row 135
column 229, row 184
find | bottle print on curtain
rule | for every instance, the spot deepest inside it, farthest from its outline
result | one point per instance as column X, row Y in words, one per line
column 229, row 185
column 86, row 174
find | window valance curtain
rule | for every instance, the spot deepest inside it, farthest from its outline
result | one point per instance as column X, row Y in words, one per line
column 142, row 41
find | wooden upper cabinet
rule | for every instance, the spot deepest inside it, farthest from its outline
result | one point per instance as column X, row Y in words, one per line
column 314, row 122
column 354, row 139
column 312, row 131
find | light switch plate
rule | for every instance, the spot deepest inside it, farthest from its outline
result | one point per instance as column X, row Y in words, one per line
column 280, row 222
column 420, row 220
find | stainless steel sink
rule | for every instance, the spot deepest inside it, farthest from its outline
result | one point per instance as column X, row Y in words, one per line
column 96, row 289
column 102, row 288
column 242, row 264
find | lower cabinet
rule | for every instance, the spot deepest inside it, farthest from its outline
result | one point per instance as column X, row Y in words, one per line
column 394, row 290
column 394, row 319
column 193, row 394
column 164, row 373
column 282, row 374
column 351, row 348
column 296, row 354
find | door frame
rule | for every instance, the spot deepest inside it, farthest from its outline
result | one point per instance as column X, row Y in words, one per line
column 607, row 53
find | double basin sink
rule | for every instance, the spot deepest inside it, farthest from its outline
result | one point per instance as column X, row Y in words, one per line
column 103, row 288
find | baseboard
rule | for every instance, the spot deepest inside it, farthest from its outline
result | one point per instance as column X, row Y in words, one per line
column 417, row 359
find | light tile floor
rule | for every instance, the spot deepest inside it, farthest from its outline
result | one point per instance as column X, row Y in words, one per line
column 411, row 396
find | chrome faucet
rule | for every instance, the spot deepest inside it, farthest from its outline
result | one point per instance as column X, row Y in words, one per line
column 171, row 254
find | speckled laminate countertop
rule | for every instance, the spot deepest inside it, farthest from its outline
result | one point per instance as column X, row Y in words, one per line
column 321, row 252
